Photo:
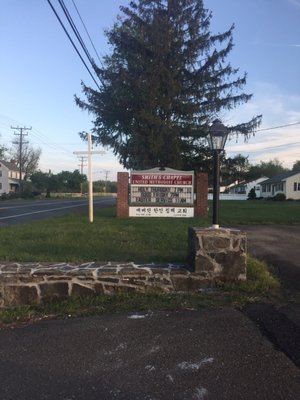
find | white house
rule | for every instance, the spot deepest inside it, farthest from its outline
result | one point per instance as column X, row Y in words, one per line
column 245, row 187
column 287, row 183
column 9, row 176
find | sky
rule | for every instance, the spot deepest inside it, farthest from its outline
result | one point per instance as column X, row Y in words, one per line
column 40, row 73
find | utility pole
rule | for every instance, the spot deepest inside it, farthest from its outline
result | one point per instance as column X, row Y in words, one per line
column 20, row 143
column 106, row 176
column 89, row 154
column 82, row 159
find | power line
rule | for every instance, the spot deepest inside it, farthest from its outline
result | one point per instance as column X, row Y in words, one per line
column 76, row 32
column 78, row 13
column 277, row 127
column 73, row 44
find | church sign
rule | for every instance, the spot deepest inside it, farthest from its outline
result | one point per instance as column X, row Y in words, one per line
column 161, row 193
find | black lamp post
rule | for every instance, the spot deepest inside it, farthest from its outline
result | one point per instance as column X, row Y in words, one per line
column 217, row 138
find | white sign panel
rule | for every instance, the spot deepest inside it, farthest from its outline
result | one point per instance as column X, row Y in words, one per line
column 177, row 212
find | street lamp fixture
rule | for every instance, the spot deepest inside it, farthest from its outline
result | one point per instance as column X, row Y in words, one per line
column 217, row 138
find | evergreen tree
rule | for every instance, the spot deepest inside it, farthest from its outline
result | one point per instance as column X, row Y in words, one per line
column 164, row 83
column 252, row 194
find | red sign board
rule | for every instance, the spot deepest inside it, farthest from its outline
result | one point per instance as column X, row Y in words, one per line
column 161, row 179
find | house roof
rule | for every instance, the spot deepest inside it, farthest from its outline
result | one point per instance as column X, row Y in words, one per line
column 245, row 183
column 11, row 166
column 280, row 177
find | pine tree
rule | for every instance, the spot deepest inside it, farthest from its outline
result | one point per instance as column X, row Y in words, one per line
column 163, row 84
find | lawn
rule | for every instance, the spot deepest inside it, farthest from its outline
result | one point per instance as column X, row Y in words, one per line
column 73, row 239
column 259, row 212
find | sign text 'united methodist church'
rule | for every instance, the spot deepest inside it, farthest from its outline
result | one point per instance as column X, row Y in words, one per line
column 167, row 193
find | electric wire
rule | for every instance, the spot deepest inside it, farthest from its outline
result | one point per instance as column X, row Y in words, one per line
column 72, row 42
column 78, row 13
column 76, row 32
column 79, row 38
column 277, row 127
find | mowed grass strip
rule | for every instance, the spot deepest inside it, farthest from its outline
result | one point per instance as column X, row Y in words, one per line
column 259, row 212
column 73, row 239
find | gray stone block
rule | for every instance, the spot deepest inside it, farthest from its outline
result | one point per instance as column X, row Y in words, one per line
column 218, row 253
column 52, row 291
column 20, row 295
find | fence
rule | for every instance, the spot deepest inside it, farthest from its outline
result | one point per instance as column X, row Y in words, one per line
column 229, row 196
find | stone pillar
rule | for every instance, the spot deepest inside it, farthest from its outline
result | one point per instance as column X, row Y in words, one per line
column 201, row 208
column 218, row 254
column 122, row 196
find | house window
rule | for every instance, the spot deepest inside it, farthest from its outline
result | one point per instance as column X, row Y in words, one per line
column 0, row 185
column 298, row 185
column 0, row 172
column 279, row 187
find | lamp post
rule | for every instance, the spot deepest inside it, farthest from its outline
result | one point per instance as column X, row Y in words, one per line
column 217, row 138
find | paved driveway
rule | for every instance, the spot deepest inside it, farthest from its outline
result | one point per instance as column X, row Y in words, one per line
column 279, row 245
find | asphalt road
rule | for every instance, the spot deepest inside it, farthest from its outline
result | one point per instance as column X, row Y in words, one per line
column 18, row 212
column 214, row 354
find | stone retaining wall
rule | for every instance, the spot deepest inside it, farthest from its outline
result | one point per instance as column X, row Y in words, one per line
column 218, row 253
column 34, row 283
column 214, row 255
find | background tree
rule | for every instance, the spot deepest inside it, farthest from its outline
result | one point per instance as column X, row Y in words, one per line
column 64, row 181
column 164, row 83
column 268, row 169
column 3, row 151
column 296, row 166
column 30, row 158
column 234, row 169
column 70, row 181
column 45, row 182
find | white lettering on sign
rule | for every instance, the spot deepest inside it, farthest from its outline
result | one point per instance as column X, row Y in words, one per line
column 161, row 179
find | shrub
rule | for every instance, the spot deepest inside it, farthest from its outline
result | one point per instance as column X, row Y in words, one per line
column 279, row 197
column 252, row 194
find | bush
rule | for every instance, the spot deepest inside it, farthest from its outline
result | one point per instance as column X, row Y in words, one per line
column 10, row 196
column 252, row 194
column 279, row 197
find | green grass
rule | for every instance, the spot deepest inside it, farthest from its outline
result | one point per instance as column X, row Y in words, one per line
column 259, row 212
column 73, row 239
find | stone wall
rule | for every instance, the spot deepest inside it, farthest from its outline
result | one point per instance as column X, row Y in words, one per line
column 218, row 254
column 34, row 283
column 214, row 255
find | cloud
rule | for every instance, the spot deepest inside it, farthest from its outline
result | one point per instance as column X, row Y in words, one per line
column 278, row 109
column 295, row 3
